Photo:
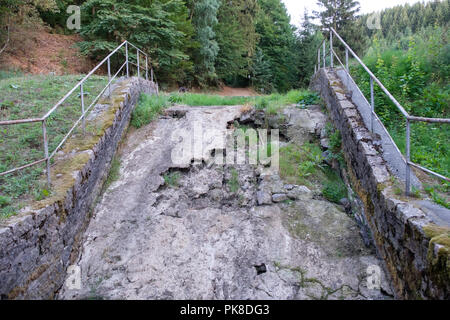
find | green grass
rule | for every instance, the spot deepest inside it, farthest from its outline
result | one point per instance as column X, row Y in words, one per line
column 301, row 165
column 114, row 172
column 150, row 105
column 334, row 188
column 32, row 97
column 435, row 192
column 192, row 99
column 171, row 179
column 148, row 108
column 233, row 183
column 5, row 74
column 304, row 166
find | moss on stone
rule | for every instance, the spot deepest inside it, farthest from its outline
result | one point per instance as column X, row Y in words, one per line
column 65, row 168
column 439, row 262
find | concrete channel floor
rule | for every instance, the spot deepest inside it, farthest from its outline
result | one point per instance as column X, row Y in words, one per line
column 198, row 239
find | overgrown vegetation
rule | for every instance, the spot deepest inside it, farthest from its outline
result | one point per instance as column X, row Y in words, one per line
column 114, row 172
column 190, row 42
column 415, row 69
column 171, row 178
column 148, row 108
column 304, row 165
column 233, row 183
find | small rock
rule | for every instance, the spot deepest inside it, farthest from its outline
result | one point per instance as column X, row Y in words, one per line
column 289, row 187
column 323, row 133
column 325, row 143
column 216, row 195
column 326, row 157
column 346, row 204
column 59, row 175
column 279, row 197
column 299, row 192
column 263, row 198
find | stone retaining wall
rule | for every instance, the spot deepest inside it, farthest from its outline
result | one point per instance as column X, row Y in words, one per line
column 414, row 248
column 37, row 247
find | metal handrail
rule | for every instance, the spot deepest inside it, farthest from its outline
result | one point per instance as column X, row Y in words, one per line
column 374, row 79
column 84, row 111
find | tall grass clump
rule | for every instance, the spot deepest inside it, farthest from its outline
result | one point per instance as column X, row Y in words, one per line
column 148, row 108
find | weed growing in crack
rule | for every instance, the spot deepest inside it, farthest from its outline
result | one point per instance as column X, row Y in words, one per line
column 114, row 172
column 171, row 179
column 233, row 184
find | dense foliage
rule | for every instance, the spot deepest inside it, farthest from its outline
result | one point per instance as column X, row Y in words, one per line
column 415, row 69
column 192, row 43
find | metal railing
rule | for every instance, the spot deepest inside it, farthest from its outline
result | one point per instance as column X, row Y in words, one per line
column 322, row 53
column 84, row 111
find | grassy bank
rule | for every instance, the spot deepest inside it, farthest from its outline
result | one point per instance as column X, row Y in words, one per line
column 30, row 97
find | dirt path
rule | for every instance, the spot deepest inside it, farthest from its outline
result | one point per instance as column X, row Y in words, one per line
column 213, row 232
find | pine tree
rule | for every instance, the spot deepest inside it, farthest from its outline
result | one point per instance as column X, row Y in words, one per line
column 204, row 19
column 341, row 15
column 308, row 40
column 153, row 26
column 277, row 43
column 337, row 13
column 237, row 39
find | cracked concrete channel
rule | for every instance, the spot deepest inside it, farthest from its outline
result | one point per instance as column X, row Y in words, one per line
column 200, row 239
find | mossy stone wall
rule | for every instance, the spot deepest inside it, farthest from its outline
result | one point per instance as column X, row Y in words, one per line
column 415, row 251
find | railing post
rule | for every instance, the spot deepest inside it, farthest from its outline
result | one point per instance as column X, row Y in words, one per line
column 372, row 104
column 138, row 64
column 324, row 54
column 408, row 158
column 146, row 67
column 82, row 109
column 331, row 49
column 44, row 133
column 151, row 71
column 346, row 59
column 126, row 57
column 109, row 78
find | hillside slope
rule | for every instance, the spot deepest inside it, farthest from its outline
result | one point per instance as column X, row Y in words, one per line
column 42, row 52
